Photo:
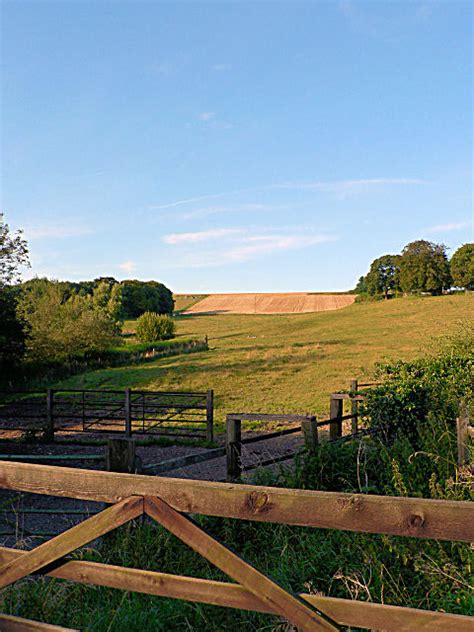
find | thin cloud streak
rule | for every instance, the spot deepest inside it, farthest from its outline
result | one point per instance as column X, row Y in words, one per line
column 201, row 235
column 340, row 187
column 444, row 228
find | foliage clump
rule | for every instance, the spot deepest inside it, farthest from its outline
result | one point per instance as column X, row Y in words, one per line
column 152, row 326
column 462, row 267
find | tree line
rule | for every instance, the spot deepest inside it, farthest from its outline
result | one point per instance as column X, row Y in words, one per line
column 421, row 268
column 45, row 322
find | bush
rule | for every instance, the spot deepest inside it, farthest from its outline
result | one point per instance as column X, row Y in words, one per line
column 152, row 326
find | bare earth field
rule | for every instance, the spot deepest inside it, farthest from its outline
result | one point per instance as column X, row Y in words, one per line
column 281, row 303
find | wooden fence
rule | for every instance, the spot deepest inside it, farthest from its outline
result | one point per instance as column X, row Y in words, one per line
column 465, row 434
column 167, row 500
column 73, row 411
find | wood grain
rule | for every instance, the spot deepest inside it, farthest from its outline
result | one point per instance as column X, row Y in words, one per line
column 414, row 517
column 289, row 606
column 344, row 611
column 70, row 540
column 9, row 623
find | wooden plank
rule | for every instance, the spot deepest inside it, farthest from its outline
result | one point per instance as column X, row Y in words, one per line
column 266, row 417
column 272, row 435
column 462, row 425
column 9, row 623
column 72, row 539
column 335, row 415
column 414, row 517
column 356, row 398
column 344, row 611
column 233, row 447
column 292, row 607
column 183, row 461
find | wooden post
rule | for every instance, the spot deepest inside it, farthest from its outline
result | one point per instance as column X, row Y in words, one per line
column 335, row 414
column 120, row 456
column 462, row 427
column 49, row 429
column 210, row 415
column 128, row 412
column 233, row 447
column 354, row 407
column 310, row 432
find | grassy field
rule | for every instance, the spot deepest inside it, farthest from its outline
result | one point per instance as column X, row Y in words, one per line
column 185, row 301
column 290, row 363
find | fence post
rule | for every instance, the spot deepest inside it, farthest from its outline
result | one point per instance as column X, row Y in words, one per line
column 309, row 427
column 233, row 448
column 210, row 415
column 128, row 413
column 354, row 406
column 49, row 430
column 120, row 456
column 462, row 425
column 335, row 414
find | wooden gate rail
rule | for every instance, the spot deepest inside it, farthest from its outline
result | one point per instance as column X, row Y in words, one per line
column 18, row 624
column 346, row 612
column 416, row 517
column 164, row 499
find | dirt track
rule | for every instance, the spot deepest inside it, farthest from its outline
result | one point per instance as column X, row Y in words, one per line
column 284, row 303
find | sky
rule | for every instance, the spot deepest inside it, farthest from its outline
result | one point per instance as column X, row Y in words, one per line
column 234, row 146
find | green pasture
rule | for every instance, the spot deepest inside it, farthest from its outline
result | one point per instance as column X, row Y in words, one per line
column 290, row 363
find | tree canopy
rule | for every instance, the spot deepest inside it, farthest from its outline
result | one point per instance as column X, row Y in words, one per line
column 424, row 267
column 462, row 267
column 384, row 275
column 13, row 253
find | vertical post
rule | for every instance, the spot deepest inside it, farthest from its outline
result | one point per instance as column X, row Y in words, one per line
column 128, row 412
column 309, row 427
column 49, row 430
column 120, row 456
column 462, row 424
column 233, row 447
column 354, row 406
column 210, row 415
column 335, row 414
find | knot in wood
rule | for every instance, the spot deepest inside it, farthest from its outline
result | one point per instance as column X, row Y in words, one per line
column 352, row 502
column 416, row 520
column 258, row 501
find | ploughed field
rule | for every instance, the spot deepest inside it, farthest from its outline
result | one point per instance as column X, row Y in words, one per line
column 270, row 303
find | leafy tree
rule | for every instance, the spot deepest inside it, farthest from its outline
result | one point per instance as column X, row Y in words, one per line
column 13, row 330
column 145, row 296
column 462, row 267
column 384, row 275
column 152, row 327
column 13, row 253
column 361, row 287
column 65, row 327
column 424, row 267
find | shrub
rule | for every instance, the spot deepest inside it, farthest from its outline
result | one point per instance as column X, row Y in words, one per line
column 152, row 326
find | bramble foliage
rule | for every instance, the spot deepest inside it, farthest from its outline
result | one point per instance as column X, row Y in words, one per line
column 462, row 267
column 152, row 326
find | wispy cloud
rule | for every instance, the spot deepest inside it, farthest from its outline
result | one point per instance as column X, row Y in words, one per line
column 338, row 187
column 444, row 228
column 206, row 116
column 201, row 235
column 232, row 209
column 221, row 67
column 239, row 245
column 56, row 231
column 127, row 266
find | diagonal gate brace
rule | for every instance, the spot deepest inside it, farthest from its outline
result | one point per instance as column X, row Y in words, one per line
column 289, row 606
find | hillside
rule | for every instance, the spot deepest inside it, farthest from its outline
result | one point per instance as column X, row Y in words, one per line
column 290, row 363
column 270, row 303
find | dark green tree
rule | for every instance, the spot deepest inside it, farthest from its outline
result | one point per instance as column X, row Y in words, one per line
column 424, row 267
column 13, row 329
column 384, row 275
column 361, row 287
column 462, row 267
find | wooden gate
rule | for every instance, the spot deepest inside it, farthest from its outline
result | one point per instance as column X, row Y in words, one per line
column 166, row 500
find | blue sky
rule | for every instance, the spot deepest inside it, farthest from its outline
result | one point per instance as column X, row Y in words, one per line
column 232, row 146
